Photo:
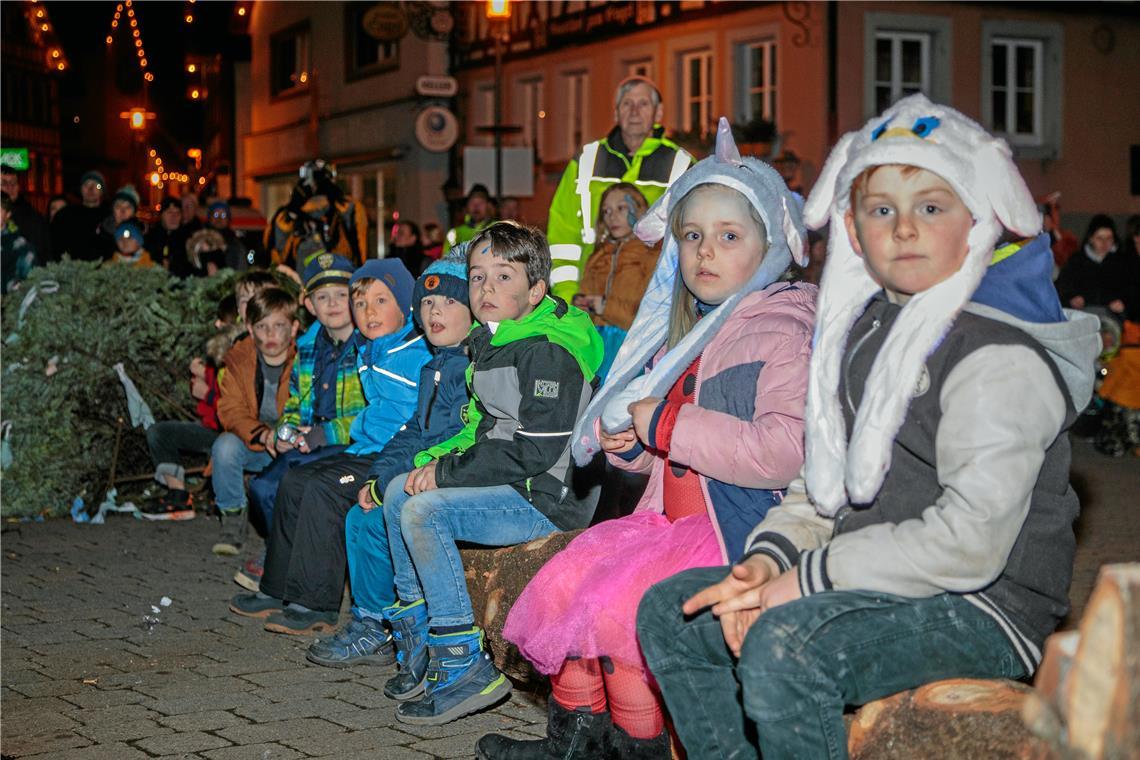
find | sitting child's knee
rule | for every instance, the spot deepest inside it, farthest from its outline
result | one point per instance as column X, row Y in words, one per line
column 227, row 447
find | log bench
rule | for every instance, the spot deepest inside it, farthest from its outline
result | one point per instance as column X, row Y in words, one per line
column 1085, row 702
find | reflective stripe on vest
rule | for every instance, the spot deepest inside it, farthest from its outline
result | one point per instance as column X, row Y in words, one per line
column 585, row 176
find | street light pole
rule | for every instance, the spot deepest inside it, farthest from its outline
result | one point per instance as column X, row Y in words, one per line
column 498, row 15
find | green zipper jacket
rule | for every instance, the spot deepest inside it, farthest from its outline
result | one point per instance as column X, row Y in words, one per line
column 570, row 227
column 530, row 380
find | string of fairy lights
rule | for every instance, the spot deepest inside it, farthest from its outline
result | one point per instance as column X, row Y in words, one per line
column 127, row 7
column 44, row 34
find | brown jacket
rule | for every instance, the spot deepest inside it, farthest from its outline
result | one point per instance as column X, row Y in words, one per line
column 239, row 390
column 632, row 263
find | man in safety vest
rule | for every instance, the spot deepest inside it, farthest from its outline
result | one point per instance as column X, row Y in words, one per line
column 636, row 151
column 478, row 217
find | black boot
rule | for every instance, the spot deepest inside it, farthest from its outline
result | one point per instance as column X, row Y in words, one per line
column 570, row 734
column 628, row 748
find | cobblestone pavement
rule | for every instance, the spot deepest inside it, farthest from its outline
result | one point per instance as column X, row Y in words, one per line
column 86, row 675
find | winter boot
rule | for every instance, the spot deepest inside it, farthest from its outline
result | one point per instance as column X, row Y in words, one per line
column 461, row 679
column 409, row 633
column 361, row 641
column 628, row 748
column 570, row 735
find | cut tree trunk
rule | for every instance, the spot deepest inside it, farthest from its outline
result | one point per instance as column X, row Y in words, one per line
column 1100, row 700
column 495, row 578
column 959, row 718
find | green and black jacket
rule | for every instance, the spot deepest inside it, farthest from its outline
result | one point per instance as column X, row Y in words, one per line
column 530, row 380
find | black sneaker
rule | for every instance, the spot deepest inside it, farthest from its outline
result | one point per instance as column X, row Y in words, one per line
column 171, row 505
column 296, row 623
column 255, row 605
column 235, row 528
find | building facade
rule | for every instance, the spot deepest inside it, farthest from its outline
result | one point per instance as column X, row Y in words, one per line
column 1051, row 78
column 337, row 81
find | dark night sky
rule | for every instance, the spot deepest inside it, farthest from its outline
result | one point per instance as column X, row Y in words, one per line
column 97, row 81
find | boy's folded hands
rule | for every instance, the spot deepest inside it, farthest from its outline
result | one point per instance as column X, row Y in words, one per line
column 421, row 479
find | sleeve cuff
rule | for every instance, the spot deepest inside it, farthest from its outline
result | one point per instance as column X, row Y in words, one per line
column 812, row 572
column 780, row 549
column 633, row 453
column 662, row 424
column 378, row 498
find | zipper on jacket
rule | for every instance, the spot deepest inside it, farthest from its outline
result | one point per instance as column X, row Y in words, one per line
column 875, row 325
column 431, row 401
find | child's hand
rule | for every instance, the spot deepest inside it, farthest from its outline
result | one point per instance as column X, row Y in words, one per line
column 421, row 479
column 199, row 388
column 1077, row 302
column 364, row 498
column 267, row 438
column 746, row 579
column 280, row 446
column 618, row 443
column 581, row 300
column 301, row 443
column 642, row 413
column 197, row 367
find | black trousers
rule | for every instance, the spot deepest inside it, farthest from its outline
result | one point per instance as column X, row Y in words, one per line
column 305, row 559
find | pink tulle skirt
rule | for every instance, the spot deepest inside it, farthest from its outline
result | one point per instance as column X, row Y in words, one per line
column 583, row 602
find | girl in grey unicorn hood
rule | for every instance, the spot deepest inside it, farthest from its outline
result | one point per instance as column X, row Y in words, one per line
column 716, row 422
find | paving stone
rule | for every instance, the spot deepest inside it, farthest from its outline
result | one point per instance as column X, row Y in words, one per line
column 303, row 708
column 211, row 702
column 211, row 720
column 388, row 753
column 93, row 697
column 255, row 752
column 103, row 716
column 356, row 718
column 280, row 731
column 348, row 691
column 484, row 723
column 459, row 745
column 110, row 751
column 191, row 741
column 123, row 732
column 379, row 740
column 20, row 742
column 305, row 674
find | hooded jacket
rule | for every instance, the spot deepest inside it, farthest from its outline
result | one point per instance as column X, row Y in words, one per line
column 438, row 416
column 530, row 380
column 389, row 370
column 239, row 392
column 977, row 500
column 619, row 272
column 743, row 434
column 348, row 395
column 652, row 168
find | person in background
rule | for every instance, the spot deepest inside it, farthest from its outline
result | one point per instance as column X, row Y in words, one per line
column 218, row 218
column 1097, row 275
column 1063, row 242
column 318, row 207
column 1130, row 251
column 202, row 256
column 124, row 208
column 509, row 210
column 479, row 216
column 16, row 253
column 637, row 151
column 190, row 220
column 55, row 205
column 432, row 241
column 75, row 229
column 166, row 240
column 30, row 222
column 406, row 246
column 129, row 248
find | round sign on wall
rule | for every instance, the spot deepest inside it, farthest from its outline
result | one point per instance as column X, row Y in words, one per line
column 437, row 129
column 385, row 22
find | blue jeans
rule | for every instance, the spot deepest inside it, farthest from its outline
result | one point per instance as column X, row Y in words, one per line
column 802, row 662
column 231, row 459
column 369, row 562
column 423, row 529
column 263, row 488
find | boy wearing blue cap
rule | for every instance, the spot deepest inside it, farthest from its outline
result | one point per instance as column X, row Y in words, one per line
column 305, row 560
column 442, row 310
column 129, row 245
column 324, row 390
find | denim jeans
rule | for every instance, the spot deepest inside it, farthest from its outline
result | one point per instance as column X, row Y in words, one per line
column 423, row 529
column 369, row 562
column 802, row 662
column 263, row 488
column 231, row 460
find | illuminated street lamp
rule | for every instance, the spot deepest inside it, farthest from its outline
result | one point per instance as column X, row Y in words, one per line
column 137, row 118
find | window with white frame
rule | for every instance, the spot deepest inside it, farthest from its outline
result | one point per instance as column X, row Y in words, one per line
column 575, row 86
column 1016, row 89
column 756, row 80
column 531, row 112
column 1022, row 84
column 641, row 67
column 902, row 66
column 696, row 91
column 289, row 60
